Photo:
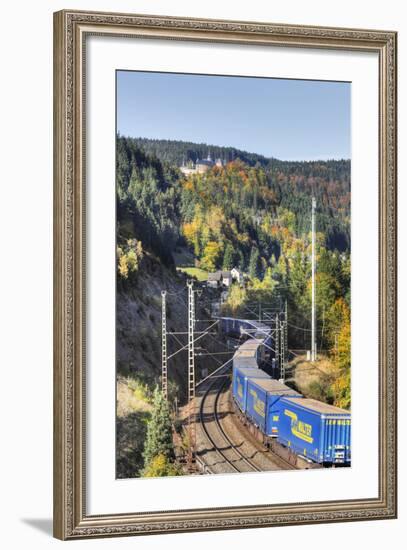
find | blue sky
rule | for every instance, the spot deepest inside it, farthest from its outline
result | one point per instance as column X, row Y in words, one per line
column 285, row 119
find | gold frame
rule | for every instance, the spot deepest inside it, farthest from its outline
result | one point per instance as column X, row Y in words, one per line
column 70, row 31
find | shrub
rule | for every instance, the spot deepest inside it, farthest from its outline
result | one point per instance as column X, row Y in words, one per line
column 160, row 466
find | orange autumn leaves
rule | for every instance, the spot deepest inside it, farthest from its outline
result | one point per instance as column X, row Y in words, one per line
column 211, row 229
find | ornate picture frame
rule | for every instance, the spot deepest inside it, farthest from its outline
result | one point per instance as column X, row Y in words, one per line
column 71, row 29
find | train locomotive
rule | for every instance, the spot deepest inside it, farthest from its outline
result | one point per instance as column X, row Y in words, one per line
column 317, row 432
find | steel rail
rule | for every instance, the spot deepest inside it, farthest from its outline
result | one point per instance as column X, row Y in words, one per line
column 226, row 437
column 206, row 432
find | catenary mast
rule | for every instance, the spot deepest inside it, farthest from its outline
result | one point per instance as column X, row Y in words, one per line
column 191, row 372
column 313, row 261
column 164, row 373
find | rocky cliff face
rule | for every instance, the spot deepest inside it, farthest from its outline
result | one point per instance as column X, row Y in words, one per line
column 138, row 325
column 138, row 328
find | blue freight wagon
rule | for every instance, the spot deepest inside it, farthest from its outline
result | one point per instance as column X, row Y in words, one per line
column 235, row 326
column 245, row 360
column 315, row 430
column 230, row 325
column 263, row 403
column 241, row 374
column 252, row 348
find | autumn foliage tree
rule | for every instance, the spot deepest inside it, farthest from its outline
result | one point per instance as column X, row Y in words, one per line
column 160, row 466
column 129, row 256
column 211, row 256
column 236, row 299
column 340, row 335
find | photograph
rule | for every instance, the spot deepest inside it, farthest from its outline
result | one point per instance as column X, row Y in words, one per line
column 233, row 274
column 225, row 298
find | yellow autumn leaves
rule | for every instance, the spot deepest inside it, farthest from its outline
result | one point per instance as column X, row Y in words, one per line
column 129, row 256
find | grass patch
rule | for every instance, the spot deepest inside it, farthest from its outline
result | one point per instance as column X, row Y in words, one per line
column 313, row 380
column 132, row 396
column 196, row 272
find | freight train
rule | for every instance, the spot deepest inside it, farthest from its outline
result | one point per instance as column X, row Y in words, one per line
column 315, row 431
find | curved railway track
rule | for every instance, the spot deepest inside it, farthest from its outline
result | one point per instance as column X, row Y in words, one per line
column 277, row 460
column 246, row 460
column 232, row 459
column 217, row 438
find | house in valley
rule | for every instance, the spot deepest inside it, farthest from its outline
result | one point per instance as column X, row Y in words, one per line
column 237, row 275
column 219, row 278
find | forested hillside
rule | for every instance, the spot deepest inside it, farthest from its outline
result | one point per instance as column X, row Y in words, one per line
column 252, row 213
column 251, row 188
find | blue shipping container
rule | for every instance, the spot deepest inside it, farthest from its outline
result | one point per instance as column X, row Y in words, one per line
column 241, row 374
column 274, row 406
column 251, row 348
column 263, row 403
column 316, row 430
column 241, row 360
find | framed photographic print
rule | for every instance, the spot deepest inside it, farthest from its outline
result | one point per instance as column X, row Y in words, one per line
column 225, row 274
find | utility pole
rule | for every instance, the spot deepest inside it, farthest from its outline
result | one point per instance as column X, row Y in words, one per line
column 164, row 374
column 323, row 328
column 336, row 347
column 313, row 313
column 277, row 343
column 282, row 347
column 286, row 327
column 284, row 343
column 191, row 372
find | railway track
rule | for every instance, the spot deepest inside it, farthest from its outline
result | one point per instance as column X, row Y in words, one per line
column 276, row 459
column 258, row 449
column 228, row 456
column 247, row 461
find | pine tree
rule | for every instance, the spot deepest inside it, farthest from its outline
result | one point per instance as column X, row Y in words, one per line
column 299, row 280
column 254, row 263
column 228, row 257
column 240, row 260
column 159, row 432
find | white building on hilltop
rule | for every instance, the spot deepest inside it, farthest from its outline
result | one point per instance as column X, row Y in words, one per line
column 201, row 166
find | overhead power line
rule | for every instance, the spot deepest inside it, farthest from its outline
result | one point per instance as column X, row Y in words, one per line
column 195, row 340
